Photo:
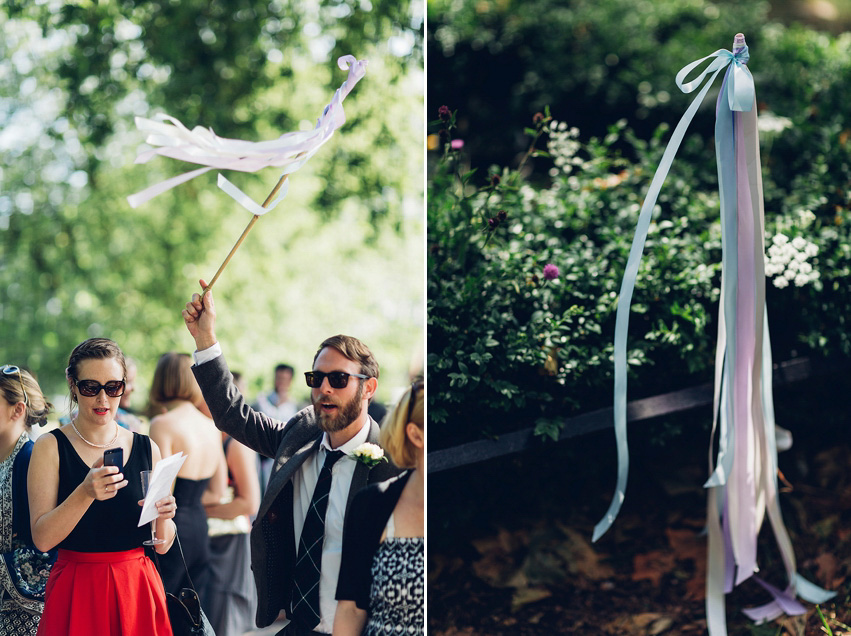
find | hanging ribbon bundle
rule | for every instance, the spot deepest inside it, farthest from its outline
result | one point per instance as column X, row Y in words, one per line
column 742, row 487
column 202, row 146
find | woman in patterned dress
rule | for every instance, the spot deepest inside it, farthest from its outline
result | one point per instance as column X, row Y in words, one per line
column 23, row 570
column 382, row 574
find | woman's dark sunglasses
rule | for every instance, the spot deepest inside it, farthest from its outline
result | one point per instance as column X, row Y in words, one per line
column 337, row 379
column 10, row 369
column 91, row 388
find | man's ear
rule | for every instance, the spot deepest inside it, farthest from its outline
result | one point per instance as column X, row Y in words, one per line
column 415, row 435
column 370, row 387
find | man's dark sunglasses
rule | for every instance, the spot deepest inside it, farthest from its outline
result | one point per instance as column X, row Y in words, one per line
column 337, row 379
column 91, row 388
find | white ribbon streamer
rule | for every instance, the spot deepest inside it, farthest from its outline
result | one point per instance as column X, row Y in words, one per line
column 170, row 138
column 246, row 201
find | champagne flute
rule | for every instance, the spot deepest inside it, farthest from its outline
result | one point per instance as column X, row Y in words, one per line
column 146, row 482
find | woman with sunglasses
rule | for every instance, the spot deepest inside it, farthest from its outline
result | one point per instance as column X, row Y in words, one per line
column 102, row 582
column 23, row 570
column 382, row 575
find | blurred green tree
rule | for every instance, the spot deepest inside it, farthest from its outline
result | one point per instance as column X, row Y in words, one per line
column 343, row 253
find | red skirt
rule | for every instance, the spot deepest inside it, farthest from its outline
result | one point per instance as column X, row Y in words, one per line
column 104, row 593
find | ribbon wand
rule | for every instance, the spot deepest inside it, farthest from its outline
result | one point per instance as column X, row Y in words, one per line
column 742, row 488
column 245, row 232
column 170, row 138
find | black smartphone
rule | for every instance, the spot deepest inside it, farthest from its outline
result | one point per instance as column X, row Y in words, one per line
column 114, row 457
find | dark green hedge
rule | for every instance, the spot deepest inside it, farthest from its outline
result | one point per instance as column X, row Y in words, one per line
column 509, row 348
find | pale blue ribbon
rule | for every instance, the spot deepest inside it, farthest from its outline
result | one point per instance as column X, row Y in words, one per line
column 740, row 94
column 725, row 157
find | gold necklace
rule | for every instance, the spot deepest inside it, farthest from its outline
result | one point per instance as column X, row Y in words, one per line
column 107, row 445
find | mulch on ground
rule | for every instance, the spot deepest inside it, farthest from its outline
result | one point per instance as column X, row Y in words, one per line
column 510, row 550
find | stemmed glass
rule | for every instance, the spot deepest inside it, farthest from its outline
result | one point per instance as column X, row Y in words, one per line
column 146, row 481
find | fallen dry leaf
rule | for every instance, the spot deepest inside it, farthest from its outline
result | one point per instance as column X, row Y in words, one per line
column 525, row 595
column 499, row 565
column 643, row 624
column 688, row 546
column 828, row 571
column 652, row 566
column 558, row 553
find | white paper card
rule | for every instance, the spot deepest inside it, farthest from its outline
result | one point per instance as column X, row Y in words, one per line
column 163, row 476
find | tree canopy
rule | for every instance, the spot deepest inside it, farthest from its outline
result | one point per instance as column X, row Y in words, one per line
column 342, row 254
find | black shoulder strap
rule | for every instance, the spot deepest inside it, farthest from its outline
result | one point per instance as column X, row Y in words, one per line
column 20, row 501
column 146, row 449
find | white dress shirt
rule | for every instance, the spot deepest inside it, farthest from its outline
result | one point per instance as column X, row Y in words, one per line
column 304, row 481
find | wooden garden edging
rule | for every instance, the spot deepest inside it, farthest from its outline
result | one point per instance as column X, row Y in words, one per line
column 787, row 372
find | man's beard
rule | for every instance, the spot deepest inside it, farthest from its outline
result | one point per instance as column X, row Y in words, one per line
column 345, row 415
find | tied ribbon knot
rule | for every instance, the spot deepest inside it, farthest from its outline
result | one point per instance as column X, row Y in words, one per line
column 740, row 87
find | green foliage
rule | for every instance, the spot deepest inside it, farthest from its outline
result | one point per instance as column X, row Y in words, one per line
column 508, row 348
column 340, row 255
column 597, row 61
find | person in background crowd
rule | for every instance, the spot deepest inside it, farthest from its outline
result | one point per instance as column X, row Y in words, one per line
column 126, row 417
column 102, row 582
column 231, row 595
column 183, row 427
column 23, row 570
column 382, row 575
column 278, row 405
column 297, row 538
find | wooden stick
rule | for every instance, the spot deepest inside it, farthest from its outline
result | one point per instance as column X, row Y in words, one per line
column 245, row 233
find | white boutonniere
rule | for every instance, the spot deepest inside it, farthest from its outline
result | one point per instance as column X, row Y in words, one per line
column 369, row 454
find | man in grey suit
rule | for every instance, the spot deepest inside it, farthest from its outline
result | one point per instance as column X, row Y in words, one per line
column 306, row 451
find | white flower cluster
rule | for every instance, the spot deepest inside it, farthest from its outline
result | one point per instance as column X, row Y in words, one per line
column 787, row 261
column 368, row 453
column 562, row 147
column 771, row 124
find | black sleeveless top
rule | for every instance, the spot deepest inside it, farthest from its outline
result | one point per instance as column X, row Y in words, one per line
column 111, row 525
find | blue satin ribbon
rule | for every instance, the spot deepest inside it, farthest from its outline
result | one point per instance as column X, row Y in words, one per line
column 740, row 94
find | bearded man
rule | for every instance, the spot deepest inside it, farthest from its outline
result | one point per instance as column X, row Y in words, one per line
column 297, row 538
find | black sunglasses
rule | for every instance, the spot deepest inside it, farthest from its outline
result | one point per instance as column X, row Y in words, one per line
column 11, row 369
column 91, row 388
column 416, row 385
column 337, row 379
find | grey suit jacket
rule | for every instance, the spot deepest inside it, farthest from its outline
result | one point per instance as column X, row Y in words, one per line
column 290, row 443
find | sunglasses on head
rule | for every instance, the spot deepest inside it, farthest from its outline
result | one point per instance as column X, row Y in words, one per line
column 91, row 388
column 337, row 379
column 11, row 369
column 416, row 385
